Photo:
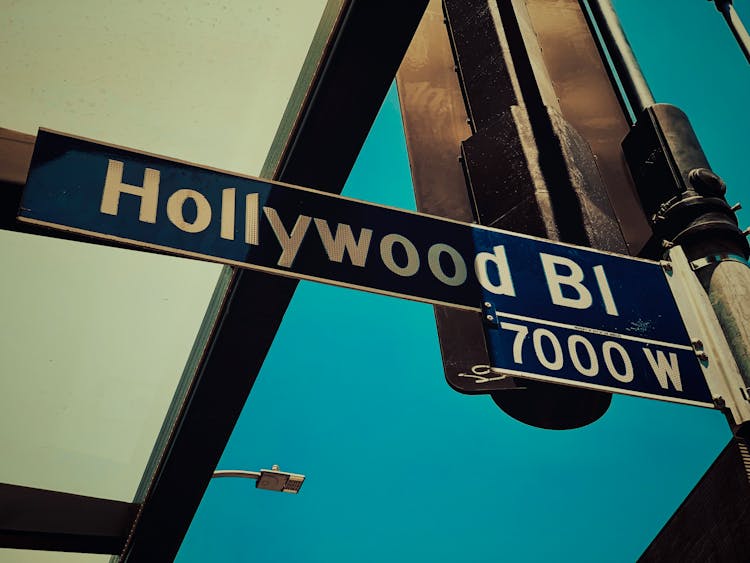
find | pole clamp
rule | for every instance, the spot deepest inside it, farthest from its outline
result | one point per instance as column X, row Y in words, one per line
column 716, row 258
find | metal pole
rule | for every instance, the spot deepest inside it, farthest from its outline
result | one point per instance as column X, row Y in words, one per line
column 633, row 82
column 237, row 473
column 684, row 201
column 690, row 210
column 735, row 24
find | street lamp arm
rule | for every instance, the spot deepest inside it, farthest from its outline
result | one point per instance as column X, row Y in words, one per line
column 270, row 479
column 237, row 473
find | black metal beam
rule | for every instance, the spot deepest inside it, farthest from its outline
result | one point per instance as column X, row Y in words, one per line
column 527, row 168
column 55, row 521
column 359, row 64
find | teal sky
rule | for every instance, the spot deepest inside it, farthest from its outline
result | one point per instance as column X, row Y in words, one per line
column 402, row 468
column 399, row 466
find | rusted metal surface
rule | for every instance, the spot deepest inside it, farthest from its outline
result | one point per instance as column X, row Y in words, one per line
column 540, row 139
column 435, row 123
column 525, row 169
column 524, row 150
column 588, row 102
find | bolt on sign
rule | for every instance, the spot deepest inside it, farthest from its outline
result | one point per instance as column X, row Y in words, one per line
column 553, row 311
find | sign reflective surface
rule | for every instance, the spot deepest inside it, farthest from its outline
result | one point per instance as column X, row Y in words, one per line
column 557, row 311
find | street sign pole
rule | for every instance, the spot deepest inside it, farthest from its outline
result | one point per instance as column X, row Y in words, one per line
column 713, row 350
column 710, row 279
column 539, row 144
column 684, row 199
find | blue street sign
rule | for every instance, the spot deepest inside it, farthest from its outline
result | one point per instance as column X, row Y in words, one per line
column 586, row 317
column 576, row 355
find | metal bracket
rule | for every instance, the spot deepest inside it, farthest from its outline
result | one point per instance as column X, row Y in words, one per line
column 489, row 314
column 700, row 351
column 711, row 348
column 715, row 259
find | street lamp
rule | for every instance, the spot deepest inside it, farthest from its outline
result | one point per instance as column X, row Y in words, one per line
column 269, row 479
